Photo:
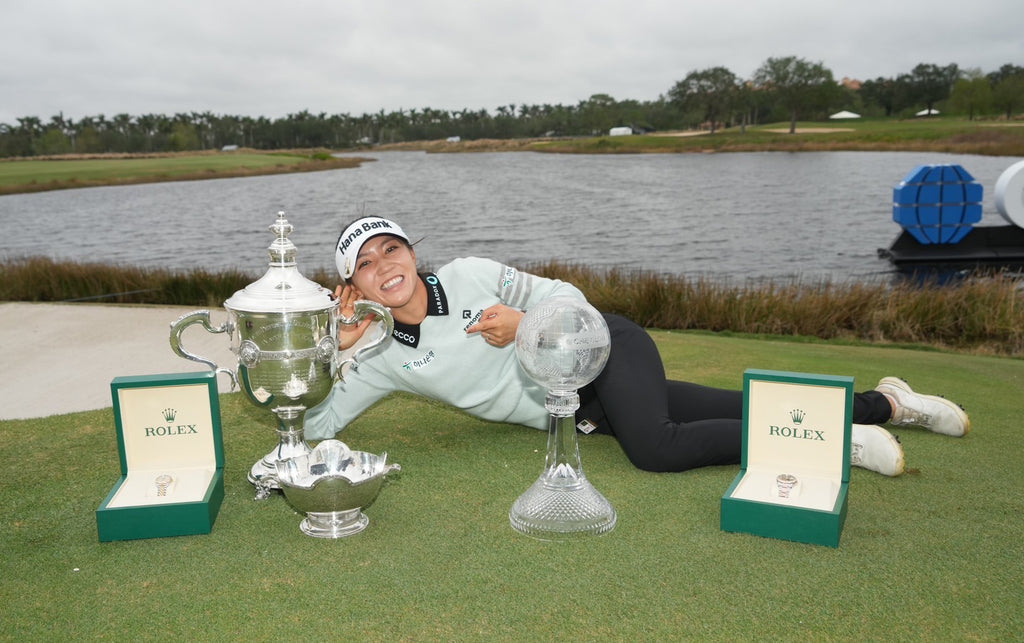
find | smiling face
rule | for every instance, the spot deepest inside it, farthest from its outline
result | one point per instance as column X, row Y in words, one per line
column 385, row 272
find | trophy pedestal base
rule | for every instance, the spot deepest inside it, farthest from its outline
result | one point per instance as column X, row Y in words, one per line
column 261, row 470
column 334, row 524
column 291, row 445
column 562, row 504
column 552, row 511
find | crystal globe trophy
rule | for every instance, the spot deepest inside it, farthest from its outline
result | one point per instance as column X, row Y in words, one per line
column 562, row 344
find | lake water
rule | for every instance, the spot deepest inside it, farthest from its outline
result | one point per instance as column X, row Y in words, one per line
column 770, row 215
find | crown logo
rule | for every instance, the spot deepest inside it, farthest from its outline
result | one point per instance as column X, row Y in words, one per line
column 797, row 415
column 169, row 414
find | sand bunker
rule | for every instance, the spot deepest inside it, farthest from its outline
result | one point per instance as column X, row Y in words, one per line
column 812, row 130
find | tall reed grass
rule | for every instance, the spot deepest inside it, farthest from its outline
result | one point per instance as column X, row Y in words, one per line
column 982, row 314
column 44, row 279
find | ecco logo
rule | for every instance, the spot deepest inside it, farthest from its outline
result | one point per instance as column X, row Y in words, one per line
column 405, row 337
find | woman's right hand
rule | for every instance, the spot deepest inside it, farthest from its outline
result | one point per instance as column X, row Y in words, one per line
column 349, row 334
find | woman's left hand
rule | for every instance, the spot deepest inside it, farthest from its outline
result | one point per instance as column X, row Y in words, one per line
column 498, row 325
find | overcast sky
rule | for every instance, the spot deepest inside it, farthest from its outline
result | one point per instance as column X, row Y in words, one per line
column 258, row 58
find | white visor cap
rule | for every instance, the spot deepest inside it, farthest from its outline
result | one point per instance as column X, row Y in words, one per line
column 355, row 235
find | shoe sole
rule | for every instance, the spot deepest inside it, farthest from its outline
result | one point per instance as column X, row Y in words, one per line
column 896, row 382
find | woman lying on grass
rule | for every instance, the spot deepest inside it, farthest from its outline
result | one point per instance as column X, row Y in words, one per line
column 453, row 342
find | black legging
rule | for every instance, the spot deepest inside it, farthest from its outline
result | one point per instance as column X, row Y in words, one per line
column 665, row 425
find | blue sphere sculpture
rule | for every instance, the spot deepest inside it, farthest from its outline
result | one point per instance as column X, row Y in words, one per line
column 937, row 203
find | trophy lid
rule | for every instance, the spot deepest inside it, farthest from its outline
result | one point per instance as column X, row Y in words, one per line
column 282, row 288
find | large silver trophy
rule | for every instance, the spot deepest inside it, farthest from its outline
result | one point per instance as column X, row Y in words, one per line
column 284, row 330
column 562, row 344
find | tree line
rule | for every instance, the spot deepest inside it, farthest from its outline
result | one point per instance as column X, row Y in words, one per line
column 782, row 89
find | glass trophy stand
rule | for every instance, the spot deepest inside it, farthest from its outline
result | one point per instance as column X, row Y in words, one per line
column 562, row 344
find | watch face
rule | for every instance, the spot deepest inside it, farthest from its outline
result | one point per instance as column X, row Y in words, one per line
column 163, row 479
column 786, row 479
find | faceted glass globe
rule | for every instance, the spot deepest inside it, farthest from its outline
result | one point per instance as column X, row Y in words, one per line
column 563, row 343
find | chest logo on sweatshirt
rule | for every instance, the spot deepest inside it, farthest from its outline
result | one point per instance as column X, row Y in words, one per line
column 473, row 318
column 416, row 364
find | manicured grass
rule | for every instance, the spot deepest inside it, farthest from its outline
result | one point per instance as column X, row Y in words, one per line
column 945, row 134
column 46, row 174
column 949, row 135
column 932, row 555
column 932, row 135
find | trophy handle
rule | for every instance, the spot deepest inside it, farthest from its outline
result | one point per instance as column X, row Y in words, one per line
column 364, row 307
column 195, row 317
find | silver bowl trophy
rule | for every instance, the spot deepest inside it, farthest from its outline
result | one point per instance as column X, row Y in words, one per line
column 284, row 330
column 332, row 485
column 562, row 344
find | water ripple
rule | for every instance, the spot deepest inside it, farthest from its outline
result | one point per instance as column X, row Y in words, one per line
column 730, row 216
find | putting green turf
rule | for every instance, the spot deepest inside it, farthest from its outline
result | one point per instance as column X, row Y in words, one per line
column 933, row 554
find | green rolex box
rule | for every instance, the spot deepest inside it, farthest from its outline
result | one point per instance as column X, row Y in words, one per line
column 172, row 457
column 795, row 470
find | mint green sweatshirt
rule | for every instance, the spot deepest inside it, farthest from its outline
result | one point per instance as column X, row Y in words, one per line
column 438, row 360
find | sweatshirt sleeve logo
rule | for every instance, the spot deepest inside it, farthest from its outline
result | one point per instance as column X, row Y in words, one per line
column 514, row 288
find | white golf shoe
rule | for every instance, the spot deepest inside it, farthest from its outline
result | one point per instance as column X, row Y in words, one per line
column 875, row 449
column 929, row 411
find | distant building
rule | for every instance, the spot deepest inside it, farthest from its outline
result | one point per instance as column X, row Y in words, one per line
column 620, row 131
column 229, row 148
column 453, row 139
column 850, row 83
